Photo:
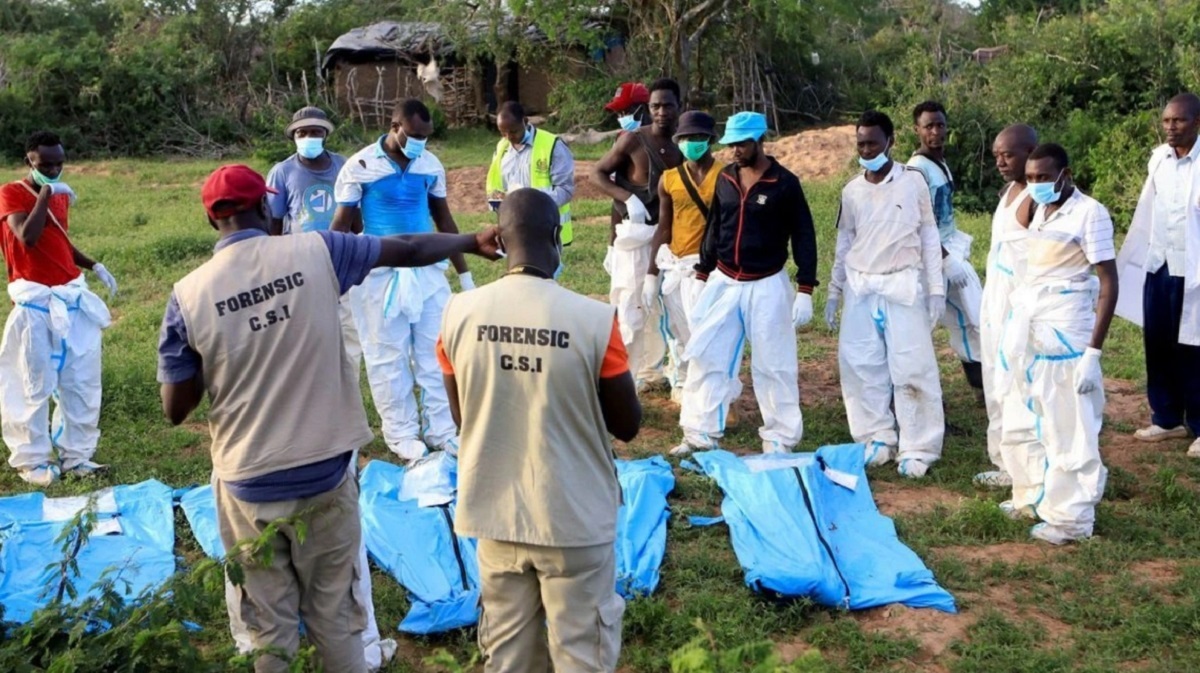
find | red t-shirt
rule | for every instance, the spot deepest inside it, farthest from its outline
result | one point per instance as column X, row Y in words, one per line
column 50, row 260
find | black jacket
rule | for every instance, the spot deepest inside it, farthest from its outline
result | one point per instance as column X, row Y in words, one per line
column 747, row 235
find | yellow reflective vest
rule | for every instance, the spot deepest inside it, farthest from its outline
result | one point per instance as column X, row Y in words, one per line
column 539, row 172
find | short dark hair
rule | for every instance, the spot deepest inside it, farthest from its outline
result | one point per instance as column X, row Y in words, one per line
column 877, row 118
column 1051, row 151
column 41, row 139
column 409, row 108
column 666, row 84
column 511, row 108
column 927, row 106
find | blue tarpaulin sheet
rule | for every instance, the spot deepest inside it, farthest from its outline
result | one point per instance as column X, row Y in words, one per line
column 408, row 514
column 806, row 525
column 201, row 511
column 133, row 541
column 642, row 524
column 416, row 544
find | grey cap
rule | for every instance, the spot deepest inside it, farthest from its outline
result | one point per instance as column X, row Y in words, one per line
column 309, row 116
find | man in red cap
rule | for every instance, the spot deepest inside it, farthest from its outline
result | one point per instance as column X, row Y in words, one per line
column 51, row 341
column 629, row 104
column 629, row 173
column 256, row 328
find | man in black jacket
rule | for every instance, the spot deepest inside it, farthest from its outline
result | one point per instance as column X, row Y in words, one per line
column 758, row 206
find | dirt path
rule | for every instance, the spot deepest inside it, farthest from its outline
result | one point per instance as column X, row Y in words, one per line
column 465, row 187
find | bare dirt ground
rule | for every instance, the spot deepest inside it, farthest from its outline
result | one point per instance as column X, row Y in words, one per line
column 465, row 187
column 813, row 154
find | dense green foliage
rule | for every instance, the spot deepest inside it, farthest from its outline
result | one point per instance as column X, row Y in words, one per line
column 209, row 77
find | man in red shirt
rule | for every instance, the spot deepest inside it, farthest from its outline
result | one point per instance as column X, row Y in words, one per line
column 51, row 344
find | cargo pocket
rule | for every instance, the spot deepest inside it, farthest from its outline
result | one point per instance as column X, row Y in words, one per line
column 357, row 617
column 481, row 632
column 608, row 622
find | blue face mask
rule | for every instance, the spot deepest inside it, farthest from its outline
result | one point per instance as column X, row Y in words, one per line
column 528, row 138
column 413, row 148
column 310, row 148
column 879, row 161
column 1044, row 193
column 629, row 123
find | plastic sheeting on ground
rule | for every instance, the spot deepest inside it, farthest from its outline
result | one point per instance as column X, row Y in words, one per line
column 417, row 546
column 200, row 508
column 132, row 541
column 408, row 515
column 642, row 524
column 806, row 525
column 403, row 536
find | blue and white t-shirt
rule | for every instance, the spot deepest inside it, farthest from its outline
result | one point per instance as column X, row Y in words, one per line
column 941, row 191
column 393, row 200
column 305, row 200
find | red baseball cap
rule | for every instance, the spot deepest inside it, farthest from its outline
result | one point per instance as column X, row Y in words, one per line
column 628, row 95
column 234, row 187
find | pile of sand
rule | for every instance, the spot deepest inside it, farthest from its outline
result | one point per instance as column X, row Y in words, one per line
column 812, row 155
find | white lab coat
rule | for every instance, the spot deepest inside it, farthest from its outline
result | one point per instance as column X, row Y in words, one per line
column 1131, row 262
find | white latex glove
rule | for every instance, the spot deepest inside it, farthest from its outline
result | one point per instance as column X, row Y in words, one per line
column 106, row 278
column 831, row 309
column 955, row 270
column 802, row 310
column 608, row 260
column 466, row 280
column 650, row 288
column 1087, row 374
column 637, row 210
column 936, row 304
column 57, row 188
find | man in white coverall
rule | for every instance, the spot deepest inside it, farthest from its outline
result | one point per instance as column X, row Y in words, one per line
column 51, row 345
column 963, row 289
column 1159, row 266
column 758, row 208
column 685, row 195
column 1005, row 266
column 1049, row 356
column 395, row 187
column 889, row 268
column 630, row 173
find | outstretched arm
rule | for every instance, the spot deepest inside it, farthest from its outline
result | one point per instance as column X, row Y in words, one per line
column 444, row 221
column 426, row 249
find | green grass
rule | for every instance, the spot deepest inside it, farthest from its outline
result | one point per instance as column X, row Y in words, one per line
column 143, row 219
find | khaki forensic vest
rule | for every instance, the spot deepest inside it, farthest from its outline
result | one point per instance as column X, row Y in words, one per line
column 263, row 315
column 539, row 175
column 535, row 465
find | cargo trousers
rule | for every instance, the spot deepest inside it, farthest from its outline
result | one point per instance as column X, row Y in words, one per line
column 570, row 591
column 316, row 578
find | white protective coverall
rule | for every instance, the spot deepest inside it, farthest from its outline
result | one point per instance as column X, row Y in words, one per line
column 962, row 317
column 643, row 328
column 888, row 261
column 1005, row 268
column 377, row 651
column 1051, row 434
column 51, row 348
column 727, row 314
column 398, row 313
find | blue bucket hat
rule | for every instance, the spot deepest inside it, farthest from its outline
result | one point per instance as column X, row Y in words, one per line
column 744, row 126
